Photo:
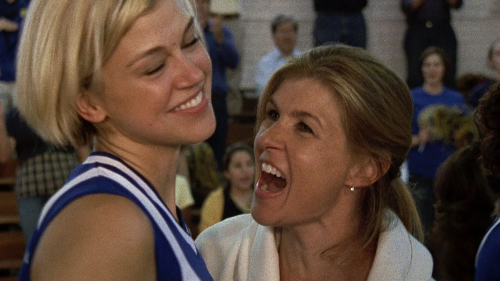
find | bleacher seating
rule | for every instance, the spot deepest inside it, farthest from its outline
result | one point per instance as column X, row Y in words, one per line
column 242, row 125
column 12, row 244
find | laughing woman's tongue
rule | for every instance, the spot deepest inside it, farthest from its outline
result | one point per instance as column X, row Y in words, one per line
column 271, row 183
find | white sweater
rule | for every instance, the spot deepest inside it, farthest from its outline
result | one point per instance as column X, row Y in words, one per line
column 240, row 249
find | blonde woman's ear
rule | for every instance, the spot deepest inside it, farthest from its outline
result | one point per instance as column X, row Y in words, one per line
column 89, row 108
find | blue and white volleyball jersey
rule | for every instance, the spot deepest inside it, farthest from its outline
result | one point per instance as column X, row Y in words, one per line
column 176, row 255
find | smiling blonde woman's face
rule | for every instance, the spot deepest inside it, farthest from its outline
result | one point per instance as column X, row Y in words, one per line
column 157, row 83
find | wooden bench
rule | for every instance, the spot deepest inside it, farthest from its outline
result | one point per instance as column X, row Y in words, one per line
column 12, row 247
column 242, row 125
column 240, row 132
column 8, row 174
column 8, row 208
column 12, row 244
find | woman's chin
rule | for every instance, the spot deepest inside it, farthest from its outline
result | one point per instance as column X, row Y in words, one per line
column 262, row 216
column 204, row 129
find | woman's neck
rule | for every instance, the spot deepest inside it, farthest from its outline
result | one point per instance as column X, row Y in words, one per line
column 433, row 88
column 324, row 255
column 157, row 164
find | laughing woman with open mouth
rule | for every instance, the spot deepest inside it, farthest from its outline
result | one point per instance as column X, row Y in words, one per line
column 334, row 127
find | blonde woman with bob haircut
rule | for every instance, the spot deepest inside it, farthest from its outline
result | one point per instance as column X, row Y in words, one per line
column 133, row 78
column 333, row 128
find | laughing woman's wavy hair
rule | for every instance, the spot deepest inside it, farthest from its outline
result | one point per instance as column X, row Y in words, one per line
column 377, row 110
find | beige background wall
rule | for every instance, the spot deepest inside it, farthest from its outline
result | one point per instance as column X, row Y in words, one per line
column 477, row 24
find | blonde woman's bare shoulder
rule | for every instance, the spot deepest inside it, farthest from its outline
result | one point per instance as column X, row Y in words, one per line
column 97, row 237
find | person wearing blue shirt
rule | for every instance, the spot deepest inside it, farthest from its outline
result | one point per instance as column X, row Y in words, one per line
column 223, row 53
column 284, row 31
column 12, row 13
column 425, row 156
column 494, row 62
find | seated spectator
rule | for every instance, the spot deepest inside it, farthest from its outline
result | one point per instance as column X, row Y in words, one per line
column 463, row 214
column 235, row 198
column 494, row 62
column 488, row 120
column 284, row 32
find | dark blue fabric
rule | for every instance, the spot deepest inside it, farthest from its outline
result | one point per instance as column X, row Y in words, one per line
column 437, row 11
column 218, row 139
column 349, row 29
column 166, row 263
column 223, row 56
column 346, row 6
column 488, row 259
column 426, row 163
column 28, row 143
column 16, row 12
column 478, row 92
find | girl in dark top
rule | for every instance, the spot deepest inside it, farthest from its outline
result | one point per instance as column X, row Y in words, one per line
column 235, row 198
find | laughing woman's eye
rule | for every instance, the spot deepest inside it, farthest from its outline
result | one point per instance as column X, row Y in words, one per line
column 304, row 128
column 273, row 114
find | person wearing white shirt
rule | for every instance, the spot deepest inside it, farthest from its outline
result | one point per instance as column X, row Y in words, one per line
column 284, row 30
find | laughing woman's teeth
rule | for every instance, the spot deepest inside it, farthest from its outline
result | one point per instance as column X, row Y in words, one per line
column 271, row 170
column 266, row 168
